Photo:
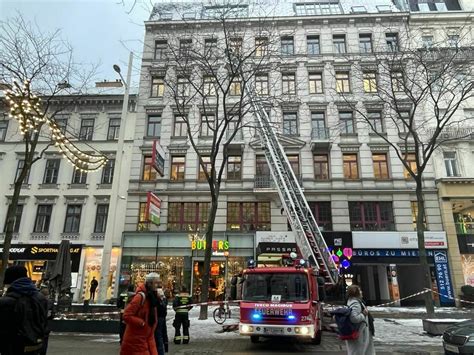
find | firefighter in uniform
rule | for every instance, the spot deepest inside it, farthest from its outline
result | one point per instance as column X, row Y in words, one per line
column 182, row 316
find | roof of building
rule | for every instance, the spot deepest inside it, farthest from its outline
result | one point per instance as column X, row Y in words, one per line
column 211, row 9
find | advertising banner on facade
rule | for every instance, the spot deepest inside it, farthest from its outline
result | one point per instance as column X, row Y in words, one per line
column 398, row 240
column 158, row 158
column 153, row 208
column 443, row 278
column 274, row 237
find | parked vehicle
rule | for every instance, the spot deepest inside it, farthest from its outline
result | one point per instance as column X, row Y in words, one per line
column 459, row 338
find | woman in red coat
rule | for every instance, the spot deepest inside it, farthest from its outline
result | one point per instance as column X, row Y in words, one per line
column 141, row 319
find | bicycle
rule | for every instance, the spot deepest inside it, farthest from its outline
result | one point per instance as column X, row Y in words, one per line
column 221, row 314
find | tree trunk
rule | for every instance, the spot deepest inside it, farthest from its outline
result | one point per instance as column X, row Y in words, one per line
column 206, row 277
column 420, row 229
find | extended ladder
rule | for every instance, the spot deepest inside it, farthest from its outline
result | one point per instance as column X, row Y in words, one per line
column 309, row 239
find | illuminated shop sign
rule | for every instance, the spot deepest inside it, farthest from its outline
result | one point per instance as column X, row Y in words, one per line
column 217, row 245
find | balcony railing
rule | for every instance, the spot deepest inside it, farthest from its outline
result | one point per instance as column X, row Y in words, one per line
column 454, row 133
column 320, row 133
column 266, row 182
column 369, row 226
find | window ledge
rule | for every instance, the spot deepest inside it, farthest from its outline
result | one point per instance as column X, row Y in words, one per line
column 373, row 134
column 39, row 236
column 349, row 134
column 15, row 236
column 104, row 186
column 70, row 236
column 23, row 186
column 98, row 236
column 48, row 186
column 151, row 138
column 353, row 180
column 78, row 186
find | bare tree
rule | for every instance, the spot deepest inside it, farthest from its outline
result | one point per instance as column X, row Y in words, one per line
column 410, row 96
column 36, row 71
column 216, row 76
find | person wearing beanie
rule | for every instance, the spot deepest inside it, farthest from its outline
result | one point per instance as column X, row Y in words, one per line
column 141, row 319
column 24, row 303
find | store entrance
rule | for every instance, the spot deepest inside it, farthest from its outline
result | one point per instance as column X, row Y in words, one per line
column 217, row 281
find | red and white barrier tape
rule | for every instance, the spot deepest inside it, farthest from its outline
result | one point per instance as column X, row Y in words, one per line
column 402, row 299
column 450, row 297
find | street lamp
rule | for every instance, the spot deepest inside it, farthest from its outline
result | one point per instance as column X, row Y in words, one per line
column 118, row 190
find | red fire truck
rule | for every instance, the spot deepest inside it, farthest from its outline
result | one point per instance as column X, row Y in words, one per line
column 282, row 301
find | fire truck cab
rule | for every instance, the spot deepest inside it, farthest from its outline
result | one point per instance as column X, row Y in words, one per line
column 282, row 301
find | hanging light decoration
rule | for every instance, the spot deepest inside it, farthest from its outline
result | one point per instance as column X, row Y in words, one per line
column 25, row 107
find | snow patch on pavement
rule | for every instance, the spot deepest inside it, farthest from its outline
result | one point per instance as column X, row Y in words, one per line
column 403, row 331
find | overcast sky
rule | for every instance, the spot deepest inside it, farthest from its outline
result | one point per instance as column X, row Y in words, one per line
column 95, row 28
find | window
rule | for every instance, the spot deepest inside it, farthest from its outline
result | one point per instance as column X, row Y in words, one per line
column 209, row 86
column 234, row 167
column 177, row 168
column 73, row 218
column 294, row 161
column 16, row 219
column 318, row 126
column 61, row 123
column 161, row 49
column 315, row 83
column 149, row 172
column 235, row 46
column 114, row 129
column 365, row 43
column 3, row 130
column 290, row 124
column 370, row 82
column 453, row 40
column 392, row 42
column 154, row 126
column 321, row 166
column 210, row 47
column 207, row 125
column 79, row 176
column 43, row 219
column 234, row 125
column 347, row 122
column 19, row 168
column 371, row 216
column 427, row 41
column 261, row 84
column 342, row 82
column 87, row 129
column 248, row 216
column 410, row 159
column 185, row 47
column 380, row 166
column 312, row 43
column 262, row 168
column 287, row 45
column 143, row 223
column 322, row 213
column 235, row 87
column 182, row 88
column 261, row 46
column 339, row 42
column 108, row 172
column 101, row 218
column 207, row 168
column 397, row 81
column 288, row 84
column 375, row 121
column 451, row 164
column 414, row 214
column 51, row 172
column 157, row 86
column 188, row 216
column 179, row 127
column 324, row 7
column 351, row 168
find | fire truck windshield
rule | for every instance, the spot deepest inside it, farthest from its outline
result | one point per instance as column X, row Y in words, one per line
column 281, row 287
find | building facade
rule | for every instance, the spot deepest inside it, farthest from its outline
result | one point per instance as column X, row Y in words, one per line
column 60, row 202
column 360, row 194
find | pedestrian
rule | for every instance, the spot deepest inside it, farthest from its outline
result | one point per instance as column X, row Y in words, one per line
column 364, row 344
column 23, row 315
column 161, row 333
column 93, row 288
column 50, row 315
column 181, row 319
column 122, row 301
column 141, row 318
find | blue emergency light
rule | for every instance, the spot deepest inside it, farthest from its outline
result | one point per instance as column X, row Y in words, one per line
column 256, row 316
column 291, row 317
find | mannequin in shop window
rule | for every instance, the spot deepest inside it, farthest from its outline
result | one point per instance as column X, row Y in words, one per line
column 93, row 288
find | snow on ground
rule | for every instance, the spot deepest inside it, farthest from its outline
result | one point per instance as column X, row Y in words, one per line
column 403, row 331
column 418, row 310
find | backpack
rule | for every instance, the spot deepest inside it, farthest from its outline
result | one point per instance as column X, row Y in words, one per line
column 31, row 317
column 345, row 328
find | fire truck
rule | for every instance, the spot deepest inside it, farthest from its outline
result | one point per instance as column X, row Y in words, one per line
column 287, row 301
column 282, row 301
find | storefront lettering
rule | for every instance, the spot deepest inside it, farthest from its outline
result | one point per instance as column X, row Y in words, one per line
column 388, row 252
column 217, row 245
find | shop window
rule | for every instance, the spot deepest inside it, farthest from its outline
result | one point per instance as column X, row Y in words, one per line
column 19, row 168
column 73, row 218
column 79, row 176
column 149, row 172
column 410, row 160
column 322, row 213
column 207, row 168
column 414, row 214
column 108, row 172
column 16, row 219
column 380, row 163
column 188, row 216
column 464, row 221
column 248, row 216
column 351, row 166
column 234, row 167
column 43, row 219
column 178, row 164
column 321, row 166
column 52, row 171
column 143, row 223
column 371, row 216
column 101, row 218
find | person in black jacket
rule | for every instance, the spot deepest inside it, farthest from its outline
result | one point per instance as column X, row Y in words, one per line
column 161, row 331
column 182, row 316
column 23, row 315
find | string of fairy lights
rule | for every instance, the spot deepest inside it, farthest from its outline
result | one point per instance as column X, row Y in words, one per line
column 25, row 107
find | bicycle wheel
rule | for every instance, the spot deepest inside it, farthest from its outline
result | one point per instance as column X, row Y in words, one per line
column 219, row 315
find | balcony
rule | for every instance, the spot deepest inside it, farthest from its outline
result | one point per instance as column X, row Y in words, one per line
column 457, row 54
column 265, row 183
column 466, row 133
column 320, row 139
column 97, row 236
column 14, row 236
column 237, row 142
column 39, row 236
column 70, row 236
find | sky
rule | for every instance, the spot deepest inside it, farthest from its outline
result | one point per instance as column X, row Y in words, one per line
column 100, row 31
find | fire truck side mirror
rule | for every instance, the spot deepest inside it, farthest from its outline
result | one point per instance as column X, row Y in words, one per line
column 321, row 288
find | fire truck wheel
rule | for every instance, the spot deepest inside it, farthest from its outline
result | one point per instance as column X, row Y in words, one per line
column 254, row 339
column 317, row 339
